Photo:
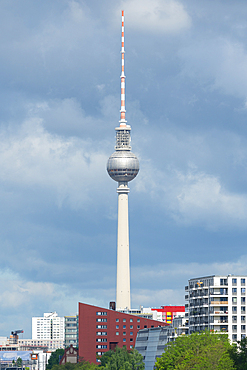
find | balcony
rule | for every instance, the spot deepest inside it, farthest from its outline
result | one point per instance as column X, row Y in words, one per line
column 217, row 303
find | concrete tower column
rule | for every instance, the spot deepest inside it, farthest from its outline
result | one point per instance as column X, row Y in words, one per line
column 123, row 269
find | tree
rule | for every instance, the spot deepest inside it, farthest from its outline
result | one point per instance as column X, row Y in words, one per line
column 83, row 365
column 121, row 359
column 239, row 354
column 208, row 351
column 19, row 362
column 54, row 359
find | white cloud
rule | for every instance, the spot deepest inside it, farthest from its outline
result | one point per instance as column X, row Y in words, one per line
column 164, row 16
column 68, row 168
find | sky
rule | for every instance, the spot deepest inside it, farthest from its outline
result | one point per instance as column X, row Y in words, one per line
column 186, row 102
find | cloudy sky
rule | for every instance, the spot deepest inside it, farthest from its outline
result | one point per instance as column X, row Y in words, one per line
column 186, row 85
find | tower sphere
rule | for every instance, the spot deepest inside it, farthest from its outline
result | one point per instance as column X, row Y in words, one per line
column 123, row 166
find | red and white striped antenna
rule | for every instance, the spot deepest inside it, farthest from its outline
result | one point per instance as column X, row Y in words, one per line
column 122, row 110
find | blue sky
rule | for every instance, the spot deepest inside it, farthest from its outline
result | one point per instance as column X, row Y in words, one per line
column 186, row 86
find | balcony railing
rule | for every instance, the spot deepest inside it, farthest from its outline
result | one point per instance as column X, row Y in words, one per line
column 216, row 303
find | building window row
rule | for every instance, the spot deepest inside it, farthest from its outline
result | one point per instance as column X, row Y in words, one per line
column 101, row 313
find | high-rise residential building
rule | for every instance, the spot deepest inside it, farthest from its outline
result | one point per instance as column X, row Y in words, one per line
column 217, row 303
column 123, row 166
column 50, row 326
column 71, row 331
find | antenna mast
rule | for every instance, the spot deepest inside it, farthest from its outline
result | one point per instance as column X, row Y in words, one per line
column 122, row 110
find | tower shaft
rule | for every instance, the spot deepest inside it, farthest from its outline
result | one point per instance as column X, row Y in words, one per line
column 123, row 265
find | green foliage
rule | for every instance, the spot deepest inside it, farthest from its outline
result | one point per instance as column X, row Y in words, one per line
column 83, row 365
column 207, row 351
column 54, row 359
column 19, row 362
column 121, row 359
column 239, row 354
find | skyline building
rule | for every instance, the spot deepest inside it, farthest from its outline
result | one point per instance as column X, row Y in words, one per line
column 48, row 327
column 123, row 166
column 217, row 303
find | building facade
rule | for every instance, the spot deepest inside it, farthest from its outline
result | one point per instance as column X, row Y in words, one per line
column 50, row 326
column 50, row 344
column 217, row 303
column 151, row 343
column 71, row 331
column 101, row 329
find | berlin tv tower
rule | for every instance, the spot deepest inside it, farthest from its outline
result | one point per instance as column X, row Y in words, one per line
column 123, row 166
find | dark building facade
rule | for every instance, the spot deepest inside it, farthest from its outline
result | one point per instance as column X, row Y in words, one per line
column 101, row 329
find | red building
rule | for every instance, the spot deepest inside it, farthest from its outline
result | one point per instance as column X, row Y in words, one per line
column 169, row 312
column 101, row 329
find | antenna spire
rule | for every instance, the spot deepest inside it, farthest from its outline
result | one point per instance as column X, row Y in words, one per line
column 122, row 77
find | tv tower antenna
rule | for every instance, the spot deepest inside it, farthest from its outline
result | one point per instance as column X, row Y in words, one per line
column 123, row 166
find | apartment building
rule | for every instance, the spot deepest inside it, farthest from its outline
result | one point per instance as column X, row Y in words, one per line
column 71, row 331
column 48, row 327
column 217, row 303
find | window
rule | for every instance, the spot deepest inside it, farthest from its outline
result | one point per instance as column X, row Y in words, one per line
column 242, row 318
column 131, row 326
column 124, row 332
column 234, row 281
column 124, row 320
column 131, row 346
column 242, row 281
column 124, row 339
column 243, row 336
column 117, row 320
column 124, row 326
column 101, row 346
column 234, row 327
column 117, row 326
column 234, row 337
column 234, row 309
column 101, row 333
column 98, row 360
column 138, row 326
column 101, row 320
column 138, row 320
column 131, row 339
column 234, row 318
column 131, row 320
column 101, row 326
column 234, row 290
column 242, row 309
column 234, row 299
column 243, row 300
column 131, row 333
column 145, row 326
column 242, row 327
column 117, row 333
column 242, row 290
column 101, row 313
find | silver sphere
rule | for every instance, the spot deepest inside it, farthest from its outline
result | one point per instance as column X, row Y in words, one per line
column 123, row 166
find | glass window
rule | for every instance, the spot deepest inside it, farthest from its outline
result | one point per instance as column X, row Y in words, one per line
column 117, row 320
column 243, row 327
column 131, row 326
column 117, row 333
column 242, row 308
column 234, row 309
column 124, row 320
column 138, row 326
column 117, row 326
column 124, row 339
column 242, row 290
column 131, row 346
column 242, row 281
column 243, row 300
column 131, row 320
column 234, row 299
column 234, row 281
column 138, row 320
column 234, row 290
column 124, row 326
column 131, row 339
column 124, row 332
column 131, row 333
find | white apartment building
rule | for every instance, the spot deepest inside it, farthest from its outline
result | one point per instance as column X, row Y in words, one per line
column 217, row 303
column 48, row 327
